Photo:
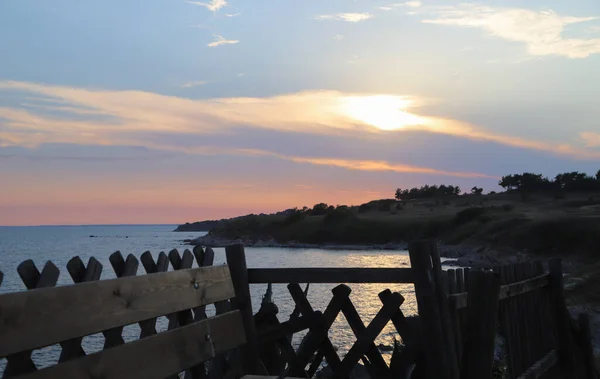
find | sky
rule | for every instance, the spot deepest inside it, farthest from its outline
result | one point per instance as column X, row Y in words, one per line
column 168, row 111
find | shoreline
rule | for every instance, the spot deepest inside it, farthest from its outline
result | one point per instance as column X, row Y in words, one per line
column 467, row 255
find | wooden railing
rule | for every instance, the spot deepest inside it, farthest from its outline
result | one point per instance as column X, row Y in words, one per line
column 48, row 315
column 461, row 314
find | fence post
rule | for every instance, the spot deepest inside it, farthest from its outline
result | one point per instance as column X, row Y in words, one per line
column 482, row 319
column 565, row 338
column 441, row 287
column 585, row 343
column 429, row 312
column 236, row 259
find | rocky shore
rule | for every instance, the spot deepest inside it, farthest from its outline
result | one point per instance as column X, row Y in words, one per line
column 461, row 255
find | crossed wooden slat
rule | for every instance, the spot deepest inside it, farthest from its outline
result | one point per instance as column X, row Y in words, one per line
column 21, row 363
column 122, row 268
column 79, row 274
column 317, row 345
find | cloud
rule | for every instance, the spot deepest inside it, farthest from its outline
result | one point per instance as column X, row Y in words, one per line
column 367, row 165
column 408, row 4
column 213, row 6
column 193, row 84
column 338, row 37
column 540, row 31
column 105, row 117
column 590, row 139
column 220, row 40
column 232, row 14
column 348, row 17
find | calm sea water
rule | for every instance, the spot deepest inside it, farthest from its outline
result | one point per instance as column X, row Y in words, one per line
column 60, row 244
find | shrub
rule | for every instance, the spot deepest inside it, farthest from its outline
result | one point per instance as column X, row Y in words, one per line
column 319, row 209
column 468, row 215
column 507, row 207
column 338, row 215
column 293, row 217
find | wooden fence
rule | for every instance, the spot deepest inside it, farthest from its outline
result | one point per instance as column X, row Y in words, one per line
column 70, row 349
column 462, row 315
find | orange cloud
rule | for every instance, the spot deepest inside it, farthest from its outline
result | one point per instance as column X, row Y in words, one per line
column 367, row 165
column 590, row 139
column 115, row 116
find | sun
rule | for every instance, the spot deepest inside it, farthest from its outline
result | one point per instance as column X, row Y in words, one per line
column 383, row 112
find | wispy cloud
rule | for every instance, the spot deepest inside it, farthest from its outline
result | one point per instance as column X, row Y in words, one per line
column 232, row 14
column 367, row 165
column 213, row 5
column 193, row 84
column 118, row 117
column 540, row 31
column 220, row 40
column 590, row 139
column 338, row 37
column 408, row 4
column 348, row 17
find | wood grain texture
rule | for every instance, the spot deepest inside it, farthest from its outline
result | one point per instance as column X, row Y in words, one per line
column 41, row 317
column 509, row 290
column 429, row 312
column 377, row 368
column 540, row 367
column 155, row 357
column 482, row 315
column 330, row 275
column 79, row 273
column 366, row 335
column 21, row 363
column 447, row 325
column 316, row 338
column 236, row 259
column 565, row 338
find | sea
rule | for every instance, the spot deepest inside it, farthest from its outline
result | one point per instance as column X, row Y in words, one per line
column 61, row 243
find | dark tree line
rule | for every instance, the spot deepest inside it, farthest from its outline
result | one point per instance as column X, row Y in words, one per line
column 427, row 191
column 568, row 181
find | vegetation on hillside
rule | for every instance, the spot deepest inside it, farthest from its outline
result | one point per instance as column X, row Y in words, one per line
column 526, row 216
column 568, row 181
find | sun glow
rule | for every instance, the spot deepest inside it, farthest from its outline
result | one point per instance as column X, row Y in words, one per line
column 384, row 112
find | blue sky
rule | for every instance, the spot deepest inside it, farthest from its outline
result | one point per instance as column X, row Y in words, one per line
column 164, row 111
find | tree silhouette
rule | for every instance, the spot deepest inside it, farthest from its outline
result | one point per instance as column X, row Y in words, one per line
column 476, row 190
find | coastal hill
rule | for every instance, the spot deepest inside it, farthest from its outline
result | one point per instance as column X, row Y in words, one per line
column 199, row 226
column 534, row 214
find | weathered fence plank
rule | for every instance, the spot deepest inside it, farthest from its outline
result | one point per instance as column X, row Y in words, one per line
column 378, row 365
column 21, row 362
column 79, row 274
column 442, row 296
column 236, row 259
column 155, row 357
column 116, row 302
column 317, row 335
column 585, row 341
column 367, row 336
column 482, row 313
column 565, row 338
column 429, row 312
column 330, row 275
column 409, row 336
column 540, row 367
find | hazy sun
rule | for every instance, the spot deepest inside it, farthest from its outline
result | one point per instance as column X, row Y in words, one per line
column 384, row 112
